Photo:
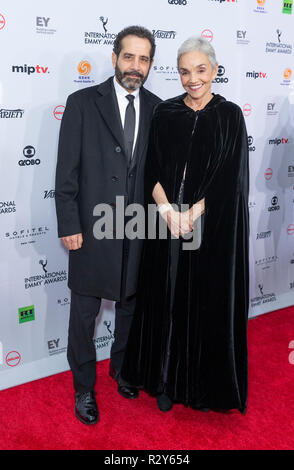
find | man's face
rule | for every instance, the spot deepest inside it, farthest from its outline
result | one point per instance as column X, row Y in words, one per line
column 133, row 63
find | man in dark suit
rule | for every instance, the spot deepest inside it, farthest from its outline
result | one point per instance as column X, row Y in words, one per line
column 101, row 155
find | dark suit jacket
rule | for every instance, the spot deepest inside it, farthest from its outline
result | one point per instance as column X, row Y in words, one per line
column 92, row 168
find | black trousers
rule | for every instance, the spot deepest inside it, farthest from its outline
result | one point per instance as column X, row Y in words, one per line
column 81, row 352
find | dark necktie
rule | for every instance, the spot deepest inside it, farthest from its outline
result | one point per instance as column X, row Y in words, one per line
column 129, row 126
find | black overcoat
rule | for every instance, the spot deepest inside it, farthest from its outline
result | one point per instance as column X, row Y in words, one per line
column 204, row 335
column 92, row 168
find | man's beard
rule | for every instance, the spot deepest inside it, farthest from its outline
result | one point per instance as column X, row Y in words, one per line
column 128, row 82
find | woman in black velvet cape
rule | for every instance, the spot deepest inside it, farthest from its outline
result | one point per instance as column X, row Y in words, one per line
column 192, row 346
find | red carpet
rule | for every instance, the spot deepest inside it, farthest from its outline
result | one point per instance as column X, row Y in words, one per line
column 39, row 415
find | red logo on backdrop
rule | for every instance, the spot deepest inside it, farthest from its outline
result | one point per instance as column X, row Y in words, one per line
column 2, row 21
column 207, row 34
column 268, row 173
column 247, row 108
column 13, row 358
column 290, row 229
column 58, row 112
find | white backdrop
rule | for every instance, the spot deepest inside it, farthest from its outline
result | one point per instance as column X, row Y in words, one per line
column 50, row 49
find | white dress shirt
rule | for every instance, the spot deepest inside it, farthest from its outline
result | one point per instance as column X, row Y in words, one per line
column 123, row 102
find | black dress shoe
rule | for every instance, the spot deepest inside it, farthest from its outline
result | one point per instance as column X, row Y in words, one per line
column 127, row 392
column 86, row 409
column 123, row 389
column 164, row 403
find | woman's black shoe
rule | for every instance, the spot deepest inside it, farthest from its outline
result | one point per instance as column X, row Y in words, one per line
column 164, row 403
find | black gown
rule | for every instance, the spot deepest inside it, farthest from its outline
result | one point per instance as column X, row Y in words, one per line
column 191, row 343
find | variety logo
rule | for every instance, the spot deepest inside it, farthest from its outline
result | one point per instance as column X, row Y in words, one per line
column 11, row 113
column 268, row 174
column 84, row 68
column 242, row 37
column 256, row 75
column 275, row 206
column 2, row 22
column 207, row 34
column 7, row 207
column 29, row 69
column 160, row 34
column 26, row 314
column 178, row 2
column 220, row 78
column 260, row 6
column 58, row 112
column 263, row 235
column 50, row 194
column 287, row 7
column 278, row 47
column 42, row 25
column 13, row 358
column 251, row 147
column 100, row 38
column 278, row 141
column 29, row 152
column 247, row 109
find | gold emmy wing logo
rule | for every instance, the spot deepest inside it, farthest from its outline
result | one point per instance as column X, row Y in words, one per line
column 84, row 67
column 288, row 74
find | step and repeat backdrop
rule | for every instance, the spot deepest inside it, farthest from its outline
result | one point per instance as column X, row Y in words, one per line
column 50, row 49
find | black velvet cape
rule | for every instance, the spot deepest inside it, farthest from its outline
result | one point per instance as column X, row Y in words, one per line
column 208, row 365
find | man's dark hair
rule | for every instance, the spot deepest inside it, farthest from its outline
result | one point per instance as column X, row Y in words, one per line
column 138, row 31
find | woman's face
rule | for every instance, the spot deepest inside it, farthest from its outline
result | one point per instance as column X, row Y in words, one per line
column 196, row 74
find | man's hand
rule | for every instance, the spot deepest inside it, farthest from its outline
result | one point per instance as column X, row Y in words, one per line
column 73, row 242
